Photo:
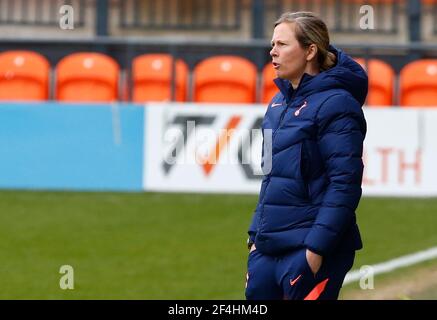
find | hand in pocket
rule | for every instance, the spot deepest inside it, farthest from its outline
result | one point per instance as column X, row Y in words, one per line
column 314, row 260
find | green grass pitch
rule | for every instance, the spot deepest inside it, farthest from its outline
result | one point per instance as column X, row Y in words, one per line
column 163, row 246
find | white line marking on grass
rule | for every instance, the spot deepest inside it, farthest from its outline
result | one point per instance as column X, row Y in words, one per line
column 397, row 263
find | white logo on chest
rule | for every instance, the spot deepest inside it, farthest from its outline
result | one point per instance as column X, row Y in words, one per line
column 297, row 112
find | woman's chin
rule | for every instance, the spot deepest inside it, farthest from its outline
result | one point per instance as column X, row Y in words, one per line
column 281, row 76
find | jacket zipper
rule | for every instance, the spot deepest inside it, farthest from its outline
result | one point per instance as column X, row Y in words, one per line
column 283, row 113
column 281, row 118
column 261, row 216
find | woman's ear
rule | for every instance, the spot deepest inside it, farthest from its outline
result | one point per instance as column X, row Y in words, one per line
column 312, row 52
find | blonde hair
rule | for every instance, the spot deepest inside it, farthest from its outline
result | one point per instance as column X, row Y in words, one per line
column 310, row 29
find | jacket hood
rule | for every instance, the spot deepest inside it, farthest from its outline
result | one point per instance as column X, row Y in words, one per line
column 347, row 74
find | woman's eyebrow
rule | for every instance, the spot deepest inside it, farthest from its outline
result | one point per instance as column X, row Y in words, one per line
column 277, row 41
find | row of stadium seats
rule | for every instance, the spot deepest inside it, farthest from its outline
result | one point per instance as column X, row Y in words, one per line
column 94, row 77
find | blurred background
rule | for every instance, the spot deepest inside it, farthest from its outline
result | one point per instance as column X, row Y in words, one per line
column 91, row 92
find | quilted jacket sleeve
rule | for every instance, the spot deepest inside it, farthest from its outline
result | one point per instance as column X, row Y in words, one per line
column 341, row 132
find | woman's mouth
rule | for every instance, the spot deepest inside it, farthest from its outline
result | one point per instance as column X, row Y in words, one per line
column 275, row 65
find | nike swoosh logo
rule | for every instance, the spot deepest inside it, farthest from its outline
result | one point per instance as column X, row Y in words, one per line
column 276, row 105
column 292, row 282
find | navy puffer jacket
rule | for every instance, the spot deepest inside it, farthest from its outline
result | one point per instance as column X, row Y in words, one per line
column 309, row 197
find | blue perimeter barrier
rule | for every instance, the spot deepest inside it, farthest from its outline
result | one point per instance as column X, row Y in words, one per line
column 71, row 146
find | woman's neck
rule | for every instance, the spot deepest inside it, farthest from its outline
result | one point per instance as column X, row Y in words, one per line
column 310, row 69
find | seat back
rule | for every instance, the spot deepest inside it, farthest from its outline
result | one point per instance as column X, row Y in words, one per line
column 24, row 75
column 152, row 78
column 87, row 76
column 225, row 79
column 381, row 82
column 418, row 83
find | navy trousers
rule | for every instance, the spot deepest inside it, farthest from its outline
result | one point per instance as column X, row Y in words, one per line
column 290, row 277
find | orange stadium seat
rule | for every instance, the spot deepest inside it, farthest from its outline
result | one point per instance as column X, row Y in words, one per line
column 381, row 82
column 152, row 78
column 87, row 76
column 418, row 83
column 24, row 75
column 269, row 88
column 225, row 79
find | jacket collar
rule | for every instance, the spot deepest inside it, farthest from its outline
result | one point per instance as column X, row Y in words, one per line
column 287, row 89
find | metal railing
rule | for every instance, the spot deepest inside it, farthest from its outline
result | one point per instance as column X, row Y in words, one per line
column 343, row 16
column 181, row 14
column 39, row 12
column 431, row 10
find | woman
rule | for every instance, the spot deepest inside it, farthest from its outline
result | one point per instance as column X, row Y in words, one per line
column 304, row 234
